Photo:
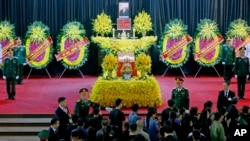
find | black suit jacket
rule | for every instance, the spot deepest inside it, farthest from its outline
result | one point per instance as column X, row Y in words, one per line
column 53, row 136
column 223, row 101
column 63, row 120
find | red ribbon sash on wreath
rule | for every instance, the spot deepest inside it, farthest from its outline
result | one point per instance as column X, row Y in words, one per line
column 246, row 41
column 38, row 51
column 72, row 49
column 210, row 47
column 178, row 46
column 5, row 48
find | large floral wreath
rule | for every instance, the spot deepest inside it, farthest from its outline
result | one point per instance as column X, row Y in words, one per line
column 174, row 46
column 72, row 47
column 207, row 43
column 7, row 36
column 239, row 31
column 38, row 45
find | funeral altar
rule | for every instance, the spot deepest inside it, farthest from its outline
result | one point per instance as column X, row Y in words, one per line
column 126, row 66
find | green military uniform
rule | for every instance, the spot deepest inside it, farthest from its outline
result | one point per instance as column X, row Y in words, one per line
column 82, row 108
column 181, row 97
column 10, row 71
column 241, row 69
column 20, row 53
column 228, row 58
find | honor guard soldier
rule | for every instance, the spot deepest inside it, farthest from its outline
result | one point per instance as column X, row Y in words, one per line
column 228, row 57
column 10, row 73
column 241, row 71
column 20, row 53
column 82, row 105
column 180, row 95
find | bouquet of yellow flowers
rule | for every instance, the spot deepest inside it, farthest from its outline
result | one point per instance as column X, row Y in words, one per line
column 143, row 62
column 142, row 22
column 102, row 25
column 110, row 62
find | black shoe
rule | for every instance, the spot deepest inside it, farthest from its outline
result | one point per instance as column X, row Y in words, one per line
column 12, row 98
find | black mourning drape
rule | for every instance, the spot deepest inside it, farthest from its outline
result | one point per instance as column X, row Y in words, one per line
column 56, row 13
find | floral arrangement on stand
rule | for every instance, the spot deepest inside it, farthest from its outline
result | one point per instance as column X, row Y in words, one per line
column 142, row 23
column 239, row 31
column 7, row 37
column 207, row 43
column 102, row 25
column 109, row 66
column 175, row 44
column 38, row 45
column 143, row 65
column 72, row 47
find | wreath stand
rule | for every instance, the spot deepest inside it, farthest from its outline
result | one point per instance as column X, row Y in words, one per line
column 169, row 67
column 66, row 69
column 45, row 70
column 212, row 67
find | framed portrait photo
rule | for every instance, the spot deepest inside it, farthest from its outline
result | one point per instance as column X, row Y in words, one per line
column 123, row 10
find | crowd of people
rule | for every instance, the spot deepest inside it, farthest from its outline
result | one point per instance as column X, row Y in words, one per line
column 177, row 122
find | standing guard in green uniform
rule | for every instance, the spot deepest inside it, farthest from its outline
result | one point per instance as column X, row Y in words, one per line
column 10, row 73
column 20, row 53
column 82, row 105
column 180, row 95
column 241, row 71
column 228, row 58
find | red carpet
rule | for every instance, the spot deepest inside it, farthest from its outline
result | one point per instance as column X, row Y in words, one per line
column 39, row 95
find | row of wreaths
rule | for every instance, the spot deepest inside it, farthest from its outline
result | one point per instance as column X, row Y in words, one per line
column 175, row 44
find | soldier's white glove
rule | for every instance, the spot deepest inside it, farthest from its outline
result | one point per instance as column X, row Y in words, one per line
column 223, row 63
column 4, row 77
column 235, row 76
column 17, row 77
column 247, row 76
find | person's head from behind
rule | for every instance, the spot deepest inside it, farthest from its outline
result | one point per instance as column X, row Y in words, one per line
column 62, row 101
column 139, row 124
column 135, row 107
column 80, row 122
column 196, row 135
column 218, row 117
column 170, row 103
column 75, row 135
column 118, row 103
column 133, row 128
column 208, row 105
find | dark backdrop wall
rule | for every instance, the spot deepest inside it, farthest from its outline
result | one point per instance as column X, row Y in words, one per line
column 56, row 13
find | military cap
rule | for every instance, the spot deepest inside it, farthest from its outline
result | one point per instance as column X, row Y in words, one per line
column 44, row 134
column 179, row 79
column 242, row 48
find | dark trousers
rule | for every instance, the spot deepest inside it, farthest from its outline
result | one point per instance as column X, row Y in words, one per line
column 241, row 82
column 11, row 87
column 228, row 73
column 20, row 79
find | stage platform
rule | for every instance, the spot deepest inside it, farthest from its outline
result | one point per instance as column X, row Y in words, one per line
column 38, row 95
